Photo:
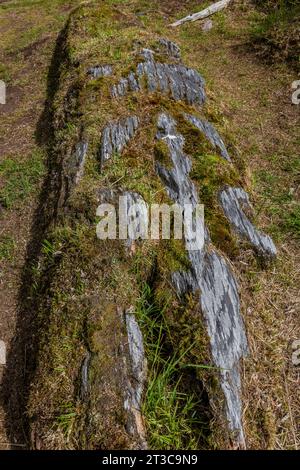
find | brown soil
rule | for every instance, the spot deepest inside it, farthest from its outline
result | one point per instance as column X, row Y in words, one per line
column 26, row 94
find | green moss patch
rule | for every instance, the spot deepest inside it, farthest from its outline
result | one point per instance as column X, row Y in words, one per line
column 212, row 173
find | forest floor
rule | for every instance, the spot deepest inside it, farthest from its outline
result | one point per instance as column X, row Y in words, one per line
column 252, row 106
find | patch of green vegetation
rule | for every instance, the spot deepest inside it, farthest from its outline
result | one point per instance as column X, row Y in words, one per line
column 48, row 248
column 46, row 4
column 79, row 300
column 4, row 73
column 60, row 279
column 134, row 171
column 170, row 414
column 66, row 419
column 291, row 164
column 30, row 35
column 171, row 411
column 7, row 247
column 291, row 221
column 276, row 33
column 162, row 154
column 101, row 38
column 212, row 173
column 20, row 178
column 195, row 140
column 279, row 197
column 173, row 256
column 33, row 21
column 221, row 234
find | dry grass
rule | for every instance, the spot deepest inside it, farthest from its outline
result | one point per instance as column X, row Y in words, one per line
column 28, row 32
column 270, row 380
column 254, row 100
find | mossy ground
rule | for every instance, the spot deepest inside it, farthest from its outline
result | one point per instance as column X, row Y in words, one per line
column 276, row 31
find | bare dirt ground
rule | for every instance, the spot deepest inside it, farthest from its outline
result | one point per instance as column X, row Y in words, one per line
column 27, row 37
column 254, row 102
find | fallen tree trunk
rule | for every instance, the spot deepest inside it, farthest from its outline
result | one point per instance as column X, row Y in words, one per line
column 214, row 8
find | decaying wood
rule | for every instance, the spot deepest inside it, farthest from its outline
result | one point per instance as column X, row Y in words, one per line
column 214, row 8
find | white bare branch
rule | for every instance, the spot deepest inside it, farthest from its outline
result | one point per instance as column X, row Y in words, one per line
column 214, row 8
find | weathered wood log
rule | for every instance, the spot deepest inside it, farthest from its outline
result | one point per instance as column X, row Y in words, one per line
column 141, row 140
column 214, row 8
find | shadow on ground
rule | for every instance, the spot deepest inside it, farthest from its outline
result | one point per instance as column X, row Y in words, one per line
column 22, row 358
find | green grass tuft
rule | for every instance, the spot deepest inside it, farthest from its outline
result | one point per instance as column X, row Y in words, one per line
column 20, row 178
column 291, row 221
column 171, row 414
column 7, row 248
